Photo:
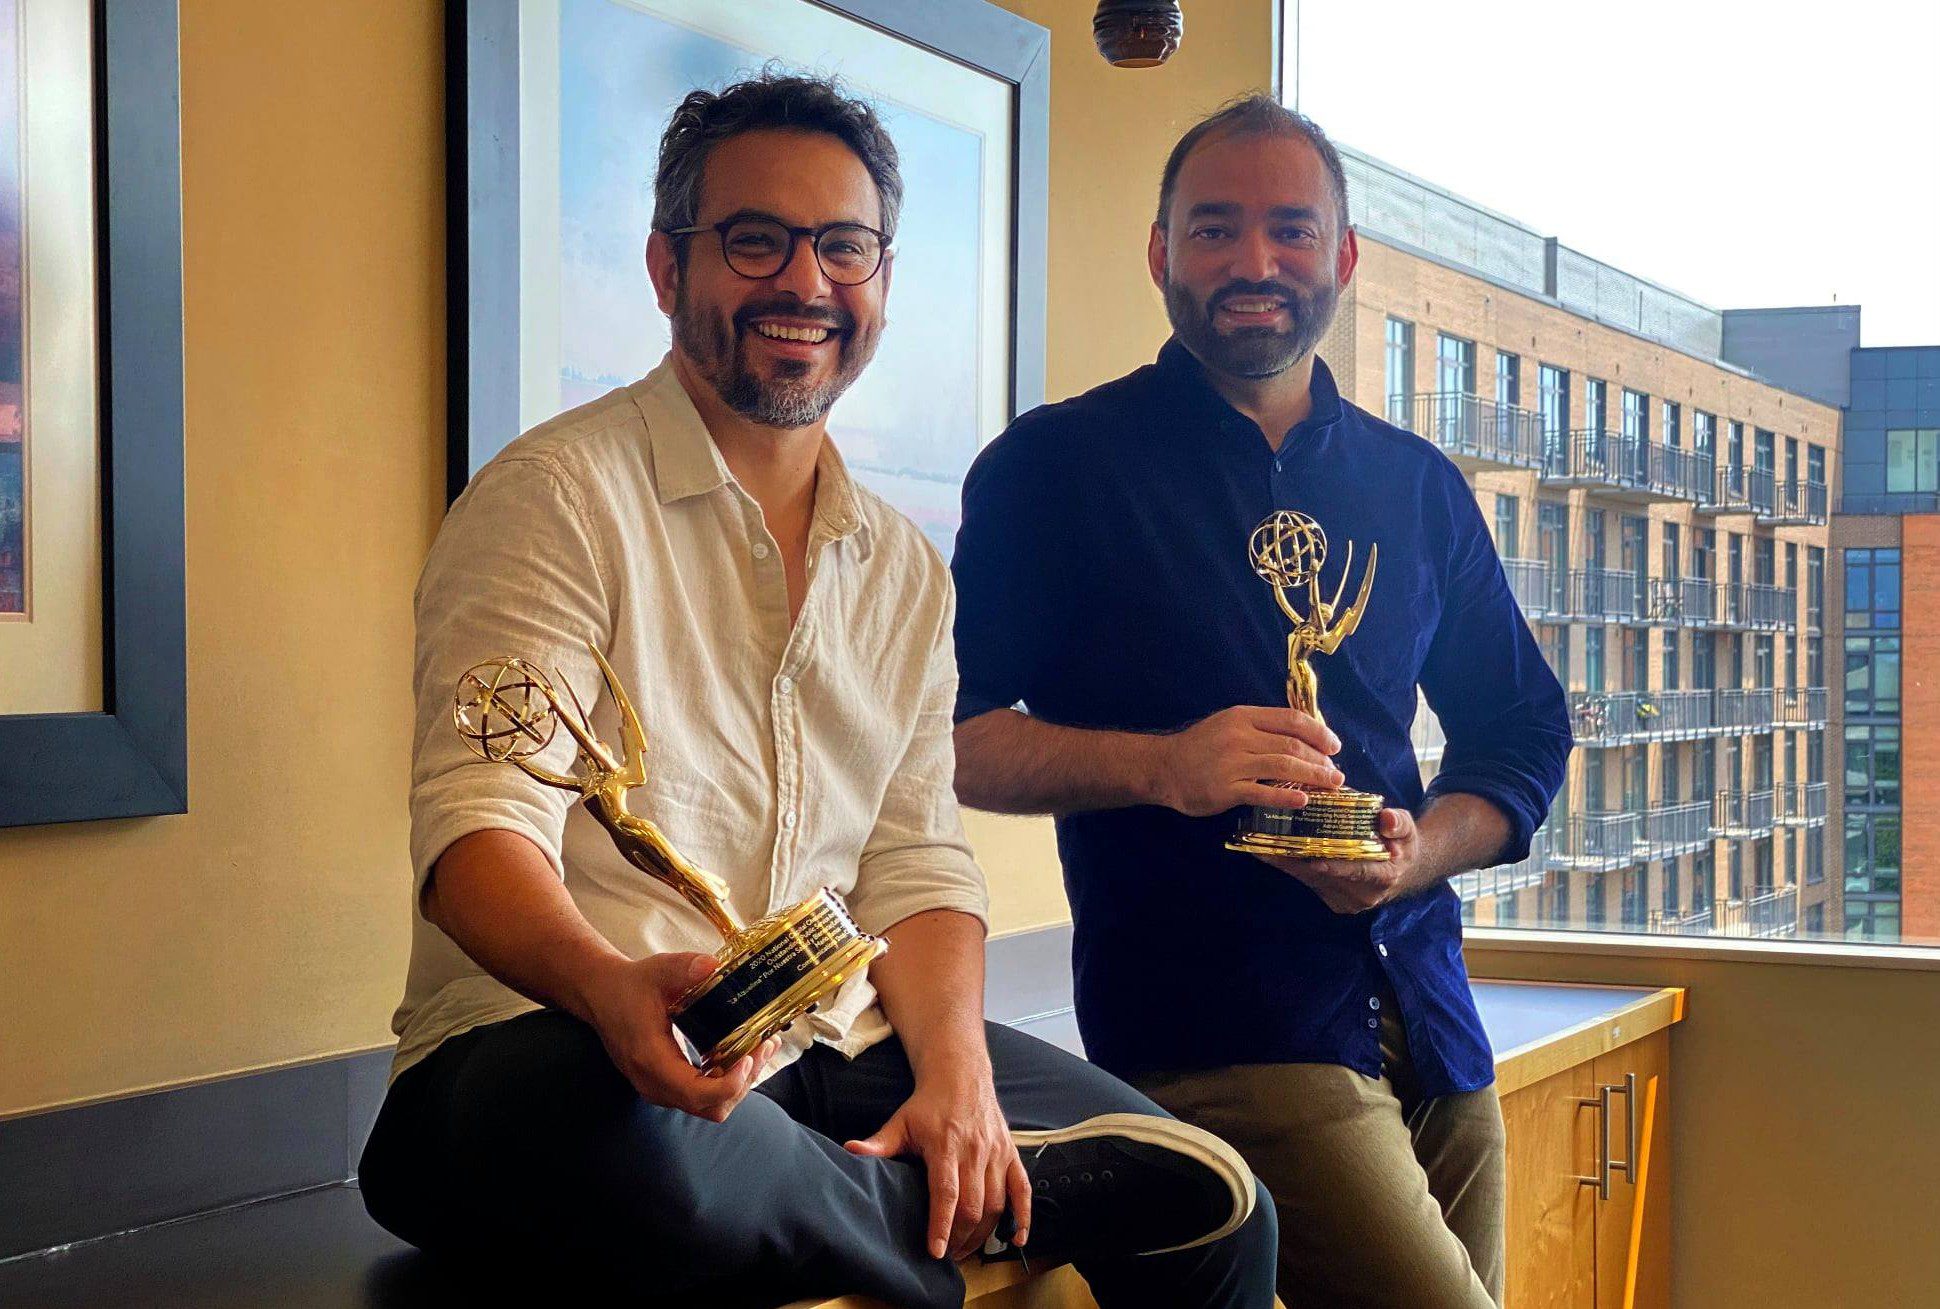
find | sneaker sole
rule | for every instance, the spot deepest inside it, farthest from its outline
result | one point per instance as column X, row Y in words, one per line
column 1193, row 1142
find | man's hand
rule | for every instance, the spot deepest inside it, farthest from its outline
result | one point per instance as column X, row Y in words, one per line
column 630, row 1013
column 954, row 1125
column 1352, row 886
column 1233, row 758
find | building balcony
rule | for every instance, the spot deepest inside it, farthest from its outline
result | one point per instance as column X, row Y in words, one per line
column 1699, row 922
column 1797, row 504
column 1663, row 604
column 1600, row 718
column 1531, row 582
column 1595, row 842
column 1743, row 710
column 1602, row 595
column 1756, row 607
column 1799, row 706
column 1762, row 490
column 1477, row 434
column 1674, row 829
column 1768, row 912
column 1743, row 815
column 1699, row 602
column 1800, row 804
column 1730, row 492
column 1627, row 468
column 1507, row 878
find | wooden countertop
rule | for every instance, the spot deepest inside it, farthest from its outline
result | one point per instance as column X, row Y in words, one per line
column 1540, row 1028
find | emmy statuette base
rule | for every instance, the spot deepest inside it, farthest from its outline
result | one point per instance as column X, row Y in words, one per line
column 1331, row 825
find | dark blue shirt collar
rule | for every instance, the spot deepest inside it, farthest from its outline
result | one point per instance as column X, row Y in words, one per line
column 1198, row 401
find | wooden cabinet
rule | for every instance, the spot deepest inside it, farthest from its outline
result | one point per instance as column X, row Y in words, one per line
column 1571, row 1245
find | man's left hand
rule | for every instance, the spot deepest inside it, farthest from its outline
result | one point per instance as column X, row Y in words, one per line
column 1353, row 886
column 953, row 1123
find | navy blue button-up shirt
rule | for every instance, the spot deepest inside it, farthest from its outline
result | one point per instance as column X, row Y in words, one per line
column 1103, row 581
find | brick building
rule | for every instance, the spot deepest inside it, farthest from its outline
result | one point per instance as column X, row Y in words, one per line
column 1663, row 517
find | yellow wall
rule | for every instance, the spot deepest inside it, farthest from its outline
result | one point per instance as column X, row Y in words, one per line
column 268, row 924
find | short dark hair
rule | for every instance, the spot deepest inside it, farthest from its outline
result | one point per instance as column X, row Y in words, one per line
column 1255, row 114
column 771, row 101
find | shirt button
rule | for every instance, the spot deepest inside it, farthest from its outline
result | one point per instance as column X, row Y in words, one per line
column 1374, row 1024
column 785, row 685
column 1382, row 948
column 760, row 549
column 788, row 820
column 1374, row 1002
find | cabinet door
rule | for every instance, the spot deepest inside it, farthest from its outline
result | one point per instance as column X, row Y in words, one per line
column 1633, row 1227
column 1551, row 1235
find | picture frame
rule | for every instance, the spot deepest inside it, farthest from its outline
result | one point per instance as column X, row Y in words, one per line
column 497, row 87
column 130, row 758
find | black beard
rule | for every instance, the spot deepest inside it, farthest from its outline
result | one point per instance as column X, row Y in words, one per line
column 1250, row 351
column 714, row 344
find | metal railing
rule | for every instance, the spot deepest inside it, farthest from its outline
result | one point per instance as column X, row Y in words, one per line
column 1730, row 491
column 1595, row 842
column 1799, row 706
column 1606, row 717
column 1677, row 715
column 1700, row 602
column 1505, row 879
column 1597, row 457
column 1699, row 922
column 1746, row 709
column 1761, row 487
column 1674, row 829
column 1471, row 427
column 1531, row 584
column 1759, row 607
column 1664, row 602
column 1741, row 815
column 1797, row 503
column 1767, row 912
column 1602, row 595
column 1800, row 804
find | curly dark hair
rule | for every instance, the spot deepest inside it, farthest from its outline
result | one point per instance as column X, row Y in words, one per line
column 1256, row 114
column 772, row 100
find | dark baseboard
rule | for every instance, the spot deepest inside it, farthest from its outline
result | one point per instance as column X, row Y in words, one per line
column 75, row 1174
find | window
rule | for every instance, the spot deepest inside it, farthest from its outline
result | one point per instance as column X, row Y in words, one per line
column 1553, row 402
column 1763, row 453
column 1815, row 464
column 1704, row 660
column 1673, row 551
column 1872, row 588
column 1636, row 415
column 1735, row 444
column 1633, row 900
column 1814, row 587
column 1596, row 415
column 1913, row 459
column 1401, row 372
column 1508, row 526
column 1508, row 379
column 1673, row 679
column 1454, row 365
column 1704, row 435
column 1673, row 417
column 1594, row 555
column 1872, row 765
column 1764, row 664
column 1593, row 659
column 1552, row 544
column 1872, row 855
column 1635, row 558
column 1636, row 655
column 1873, row 675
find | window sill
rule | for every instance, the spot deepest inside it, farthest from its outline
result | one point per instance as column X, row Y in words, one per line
column 1900, row 958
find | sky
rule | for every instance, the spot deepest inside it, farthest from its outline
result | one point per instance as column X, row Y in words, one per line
column 1747, row 155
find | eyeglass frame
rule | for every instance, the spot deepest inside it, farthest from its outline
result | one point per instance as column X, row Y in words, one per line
column 795, row 235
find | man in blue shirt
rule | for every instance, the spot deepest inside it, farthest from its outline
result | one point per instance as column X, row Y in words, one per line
column 1124, row 669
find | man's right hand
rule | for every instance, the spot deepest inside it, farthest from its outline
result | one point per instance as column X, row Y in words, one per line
column 630, row 1008
column 1233, row 757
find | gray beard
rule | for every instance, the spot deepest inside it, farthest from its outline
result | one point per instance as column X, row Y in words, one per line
column 785, row 402
column 1252, row 352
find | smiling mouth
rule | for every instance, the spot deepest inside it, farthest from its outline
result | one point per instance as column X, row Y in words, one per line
column 778, row 332
column 1252, row 305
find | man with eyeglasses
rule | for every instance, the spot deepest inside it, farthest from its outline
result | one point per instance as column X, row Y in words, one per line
column 787, row 639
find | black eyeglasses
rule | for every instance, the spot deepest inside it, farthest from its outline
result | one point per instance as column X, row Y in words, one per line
column 757, row 247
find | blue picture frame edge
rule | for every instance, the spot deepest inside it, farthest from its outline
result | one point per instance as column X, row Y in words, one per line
column 132, row 759
column 482, row 196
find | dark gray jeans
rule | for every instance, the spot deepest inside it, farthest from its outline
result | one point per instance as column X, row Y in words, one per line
column 517, row 1151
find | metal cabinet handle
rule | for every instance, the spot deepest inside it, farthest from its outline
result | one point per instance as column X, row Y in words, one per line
column 1606, row 1163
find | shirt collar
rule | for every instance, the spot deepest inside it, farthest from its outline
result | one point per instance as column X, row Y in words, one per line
column 687, row 463
column 1200, row 399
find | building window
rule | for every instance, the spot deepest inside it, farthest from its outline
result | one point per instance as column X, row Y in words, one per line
column 1596, row 408
column 1673, row 425
column 1815, row 464
column 1454, row 365
column 1764, row 664
column 1735, row 444
column 1508, row 379
column 1401, row 371
column 1815, row 661
column 1913, row 459
column 1593, row 659
column 1873, row 588
column 1814, row 586
column 1673, row 678
column 1508, row 526
column 1872, row 764
column 1872, row 854
column 1636, row 415
column 1873, row 675
column 1764, row 453
column 1553, row 402
column 1704, row 660
column 1704, row 435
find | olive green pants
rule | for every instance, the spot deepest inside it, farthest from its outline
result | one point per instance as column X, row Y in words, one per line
column 1387, row 1200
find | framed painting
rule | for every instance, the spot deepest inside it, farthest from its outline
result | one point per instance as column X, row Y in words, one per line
column 92, row 660
column 552, row 162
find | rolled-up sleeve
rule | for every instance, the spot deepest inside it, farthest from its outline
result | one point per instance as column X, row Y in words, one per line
column 1505, row 716
column 917, row 857
column 515, row 571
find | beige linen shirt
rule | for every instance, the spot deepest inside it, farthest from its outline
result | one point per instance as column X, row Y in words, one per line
column 780, row 758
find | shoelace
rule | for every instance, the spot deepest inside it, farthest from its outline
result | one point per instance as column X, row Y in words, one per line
column 1085, row 1178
